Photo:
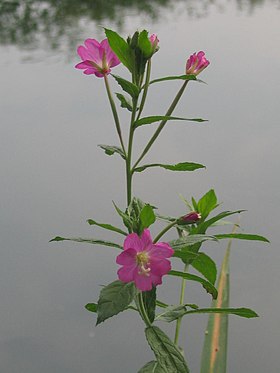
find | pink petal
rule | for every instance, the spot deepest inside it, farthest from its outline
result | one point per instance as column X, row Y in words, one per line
column 133, row 241
column 146, row 239
column 142, row 282
column 111, row 58
column 161, row 250
column 156, row 280
column 127, row 273
column 160, row 267
column 127, row 257
column 90, row 71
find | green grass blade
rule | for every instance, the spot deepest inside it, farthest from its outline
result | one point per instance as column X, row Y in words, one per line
column 214, row 355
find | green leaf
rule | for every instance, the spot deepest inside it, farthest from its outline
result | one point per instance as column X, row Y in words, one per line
column 111, row 149
column 207, row 203
column 149, row 298
column 206, row 266
column 157, row 118
column 127, row 86
column 184, row 242
column 121, row 49
column 167, row 353
column 241, row 236
column 147, row 217
column 202, row 227
column 126, row 219
column 176, row 77
column 144, row 44
column 206, row 284
column 125, row 103
column 113, row 299
column 88, row 240
column 107, row 226
column 91, row 307
column 175, row 312
column 214, row 355
column 242, row 312
column 186, row 255
column 151, row 367
column 184, row 166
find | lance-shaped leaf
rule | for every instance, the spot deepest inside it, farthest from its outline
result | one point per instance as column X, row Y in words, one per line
column 121, row 48
column 206, row 266
column 206, row 284
column 127, row 86
column 128, row 222
column 149, row 299
column 88, row 240
column 125, row 103
column 241, row 236
column 111, row 149
column 157, row 118
column 114, row 298
column 167, row 353
column 207, row 203
column 91, row 307
column 214, row 355
column 184, row 242
column 107, row 226
column 151, row 367
column 145, row 45
column 174, row 312
column 175, row 77
column 202, row 227
column 147, row 217
column 184, row 166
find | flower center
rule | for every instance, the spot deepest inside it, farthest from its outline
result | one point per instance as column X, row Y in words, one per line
column 143, row 263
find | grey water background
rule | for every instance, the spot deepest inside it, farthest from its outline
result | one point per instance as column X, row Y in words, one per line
column 53, row 176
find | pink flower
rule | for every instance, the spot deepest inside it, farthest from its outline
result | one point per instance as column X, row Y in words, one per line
column 97, row 58
column 196, row 63
column 143, row 261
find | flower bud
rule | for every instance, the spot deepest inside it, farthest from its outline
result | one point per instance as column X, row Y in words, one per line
column 196, row 63
column 154, row 41
column 190, row 218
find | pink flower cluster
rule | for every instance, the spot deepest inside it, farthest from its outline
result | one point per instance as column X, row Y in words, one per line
column 196, row 63
column 97, row 58
column 143, row 261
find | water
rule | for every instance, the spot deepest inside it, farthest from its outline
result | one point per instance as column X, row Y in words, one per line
column 53, row 178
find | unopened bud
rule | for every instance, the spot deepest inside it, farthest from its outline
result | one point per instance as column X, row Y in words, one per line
column 190, row 218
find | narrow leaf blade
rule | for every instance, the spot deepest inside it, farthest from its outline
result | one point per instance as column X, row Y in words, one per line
column 242, row 236
column 127, row 86
column 183, row 166
column 111, row 149
column 88, row 240
column 106, row 226
column 206, row 266
column 157, row 118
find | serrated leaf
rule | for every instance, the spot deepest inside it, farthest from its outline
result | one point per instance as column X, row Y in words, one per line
column 157, row 118
column 151, row 367
column 242, row 236
column 107, row 226
column 183, row 166
column 88, row 240
column 127, row 86
column 167, row 353
column 207, row 203
column 113, row 299
column 121, row 49
column 176, row 77
column 147, row 217
column 184, row 242
column 149, row 299
column 91, row 307
column 111, row 149
column 206, row 266
column 206, row 284
column 125, row 103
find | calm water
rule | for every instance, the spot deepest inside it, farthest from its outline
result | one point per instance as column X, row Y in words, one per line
column 53, row 178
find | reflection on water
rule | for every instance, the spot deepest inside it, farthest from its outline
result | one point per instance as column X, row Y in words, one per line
column 24, row 23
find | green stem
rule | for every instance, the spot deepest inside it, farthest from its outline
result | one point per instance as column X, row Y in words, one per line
column 162, row 123
column 142, row 310
column 169, row 226
column 114, row 110
column 129, row 172
column 182, row 301
column 146, row 86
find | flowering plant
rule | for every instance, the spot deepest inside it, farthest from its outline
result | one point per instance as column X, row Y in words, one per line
column 145, row 261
